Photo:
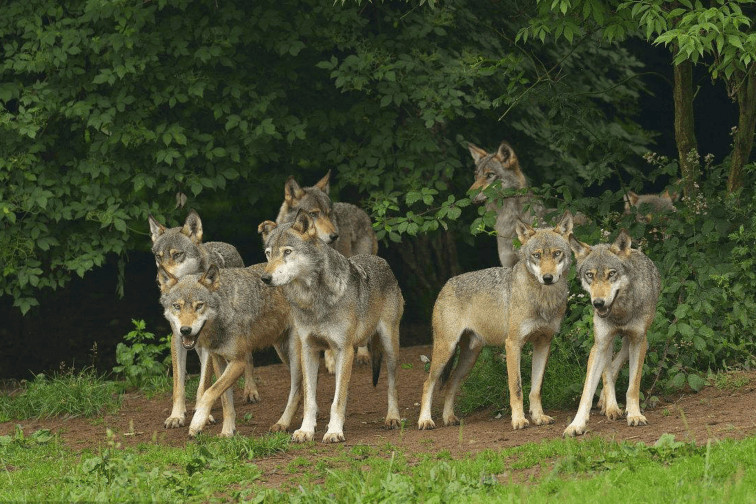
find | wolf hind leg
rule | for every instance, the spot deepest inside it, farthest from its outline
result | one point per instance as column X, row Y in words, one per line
column 469, row 350
column 251, row 394
column 637, row 352
column 389, row 341
column 608, row 397
column 444, row 344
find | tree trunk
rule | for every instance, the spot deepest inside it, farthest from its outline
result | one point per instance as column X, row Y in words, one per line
column 743, row 141
column 685, row 135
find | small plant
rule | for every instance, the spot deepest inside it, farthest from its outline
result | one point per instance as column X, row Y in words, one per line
column 143, row 357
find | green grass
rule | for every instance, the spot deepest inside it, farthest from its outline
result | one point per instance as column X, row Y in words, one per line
column 217, row 470
column 82, row 393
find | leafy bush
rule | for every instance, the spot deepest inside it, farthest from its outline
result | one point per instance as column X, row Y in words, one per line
column 144, row 358
column 69, row 393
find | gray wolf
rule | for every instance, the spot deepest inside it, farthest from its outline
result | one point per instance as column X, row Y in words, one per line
column 648, row 205
column 624, row 285
column 504, row 307
column 230, row 313
column 503, row 166
column 344, row 226
column 337, row 303
column 180, row 251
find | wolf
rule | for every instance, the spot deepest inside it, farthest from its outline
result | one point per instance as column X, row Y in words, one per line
column 502, row 306
column 503, row 166
column 230, row 313
column 180, row 251
column 624, row 286
column 344, row 226
column 337, row 303
column 649, row 205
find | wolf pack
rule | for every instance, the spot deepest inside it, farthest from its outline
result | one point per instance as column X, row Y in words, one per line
column 324, row 290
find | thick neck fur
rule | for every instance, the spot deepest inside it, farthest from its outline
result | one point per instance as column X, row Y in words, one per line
column 547, row 301
column 314, row 293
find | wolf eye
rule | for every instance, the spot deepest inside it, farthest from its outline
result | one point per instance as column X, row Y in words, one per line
column 557, row 253
column 176, row 306
column 287, row 252
column 199, row 306
column 178, row 256
column 536, row 255
column 314, row 214
column 611, row 274
column 490, row 175
column 589, row 275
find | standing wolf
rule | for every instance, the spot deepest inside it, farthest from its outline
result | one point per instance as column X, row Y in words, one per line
column 230, row 313
column 344, row 226
column 337, row 303
column 180, row 252
column 502, row 306
column 624, row 286
column 504, row 166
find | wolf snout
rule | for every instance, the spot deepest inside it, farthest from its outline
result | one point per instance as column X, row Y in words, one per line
column 266, row 278
column 185, row 330
column 333, row 236
column 598, row 303
column 548, row 278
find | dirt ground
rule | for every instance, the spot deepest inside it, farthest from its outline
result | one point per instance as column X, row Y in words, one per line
column 711, row 413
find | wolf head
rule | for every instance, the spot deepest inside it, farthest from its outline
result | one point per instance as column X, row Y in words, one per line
column 190, row 302
column 602, row 270
column 177, row 250
column 502, row 165
column 313, row 200
column 291, row 249
column 649, row 205
column 546, row 252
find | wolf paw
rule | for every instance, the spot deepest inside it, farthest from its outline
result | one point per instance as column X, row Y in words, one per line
column 392, row 423
column 636, row 420
column 279, row 428
column 542, row 419
column 301, row 436
column 519, row 423
column 334, row 437
column 210, row 420
column 228, row 434
column 363, row 356
column 613, row 412
column 426, row 424
column 251, row 395
column 330, row 361
column 173, row 422
column 574, row 430
column 451, row 420
column 194, row 431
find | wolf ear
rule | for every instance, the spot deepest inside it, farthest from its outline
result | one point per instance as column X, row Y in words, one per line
column 632, row 198
column 265, row 229
column 324, row 184
column 506, row 156
column 580, row 249
column 211, row 278
column 524, row 231
column 304, row 224
column 564, row 227
column 193, row 227
column 165, row 279
column 292, row 192
column 476, row 152
column 665, row 195
column 621, row 245
column 156, row 229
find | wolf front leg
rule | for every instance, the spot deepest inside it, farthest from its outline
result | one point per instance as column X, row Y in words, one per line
column 290, row 354
column 638, row 346
column 310, row 363
column 222, row 385
column 608, row 397
column 541, row 348
column 514, row 350
column 600, row 357
column 344, row 360
column 178, row 363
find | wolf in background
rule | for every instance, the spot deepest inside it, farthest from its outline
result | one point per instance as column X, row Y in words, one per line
column 180, row 251
column 344, row 226
column 503, row 166
column 230, row 313
column 337, row 303
column 624, row 285
column 504, row 307
column 649, row 205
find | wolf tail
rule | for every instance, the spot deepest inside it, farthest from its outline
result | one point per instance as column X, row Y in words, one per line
column 376, row 356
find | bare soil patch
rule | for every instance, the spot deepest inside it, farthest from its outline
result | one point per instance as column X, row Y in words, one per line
column 710, row 414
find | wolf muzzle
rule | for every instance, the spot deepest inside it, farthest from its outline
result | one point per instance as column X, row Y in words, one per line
column 187, row 340
column 266, row 278
column 602, row 309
